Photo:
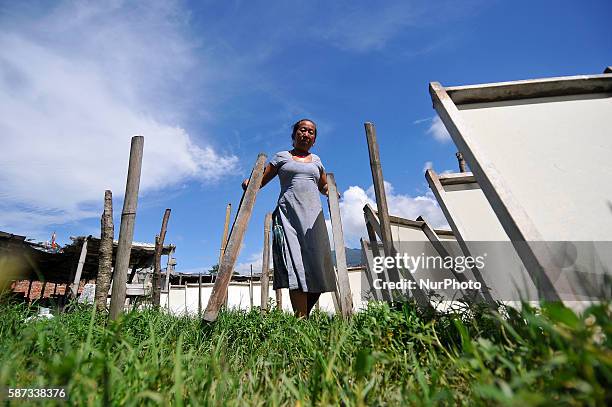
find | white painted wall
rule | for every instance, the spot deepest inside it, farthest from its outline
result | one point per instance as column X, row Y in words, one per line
column 184, row 299
column 553, row 157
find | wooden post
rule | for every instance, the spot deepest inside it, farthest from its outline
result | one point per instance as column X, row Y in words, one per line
column 228, row 211
column 461, row 162
column 74, row 288
column 235, row 241
column 200, row 295
column 105, row 261
column 383, row 211
column 42, row 291
column 279, row 299
column 159, row 246
column 251, row 289
column 126, row 231
column 265, row 266
column 169, row 268
column 132, row 274
column 168, row 302
column 373, row 229
column 345, row 297
column 186, row 298
column 29, row 290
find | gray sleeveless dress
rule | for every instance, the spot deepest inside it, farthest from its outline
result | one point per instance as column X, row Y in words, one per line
column 300, row 249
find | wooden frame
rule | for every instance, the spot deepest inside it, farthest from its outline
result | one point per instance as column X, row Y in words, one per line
column 519, row 227
column 432, row 235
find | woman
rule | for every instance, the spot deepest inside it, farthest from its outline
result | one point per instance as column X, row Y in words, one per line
column 300, row 251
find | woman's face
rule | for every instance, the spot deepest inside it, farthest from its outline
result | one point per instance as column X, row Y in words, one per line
column 304, row 137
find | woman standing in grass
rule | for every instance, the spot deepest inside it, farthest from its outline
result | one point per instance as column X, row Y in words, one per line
column 300, row 251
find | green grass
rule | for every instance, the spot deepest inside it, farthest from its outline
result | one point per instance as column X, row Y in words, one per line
column 389, row 356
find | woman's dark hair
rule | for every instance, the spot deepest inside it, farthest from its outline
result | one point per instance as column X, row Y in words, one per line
column 296, row 126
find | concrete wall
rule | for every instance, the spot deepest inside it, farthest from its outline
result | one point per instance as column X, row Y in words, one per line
column 184, row 299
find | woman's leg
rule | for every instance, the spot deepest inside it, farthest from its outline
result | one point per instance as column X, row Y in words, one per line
column 312, row 300
column 299, row 301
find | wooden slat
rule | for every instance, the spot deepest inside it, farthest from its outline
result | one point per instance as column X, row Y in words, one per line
column 436, row 186
column 265, row 265
column 345, row 296
column 532, row 88
column 457, row 178
column 159, row 244
column 230, row 255
column 74, row 287
column 383, row 212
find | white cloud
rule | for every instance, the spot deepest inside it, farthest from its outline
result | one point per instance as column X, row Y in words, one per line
column 427, row 166
column 255, row 260
column 75, row 84
column 405, row 206
column 359, row 27
column 438, row 131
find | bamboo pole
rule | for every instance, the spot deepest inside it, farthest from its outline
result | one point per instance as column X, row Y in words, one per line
column 74, row 288
column 235, row 241
column 126, row 232
column 105, row 262
column 345, row 298
column 265, row 265
column 383, row 211
column 159, row 246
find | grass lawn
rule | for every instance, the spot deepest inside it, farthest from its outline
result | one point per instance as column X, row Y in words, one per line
column 381, row 356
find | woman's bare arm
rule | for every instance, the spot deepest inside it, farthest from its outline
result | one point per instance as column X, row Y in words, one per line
column 269, row 172
column 323, row 183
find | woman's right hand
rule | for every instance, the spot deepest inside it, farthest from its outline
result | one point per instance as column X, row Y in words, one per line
column 245, row 184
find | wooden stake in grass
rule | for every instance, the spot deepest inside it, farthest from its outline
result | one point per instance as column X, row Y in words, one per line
column 159, row 246
column 169, row 268
column 74, row 288
column 228, row 211
column 345, row 298
column 105, row 257
column 200, row 295
column 383, row 211
column 265, row 265
column 279, row 299
column 251, row 289
column 226, row 267
column 126, row 231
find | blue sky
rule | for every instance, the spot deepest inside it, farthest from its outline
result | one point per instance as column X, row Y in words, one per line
column 211, row 84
